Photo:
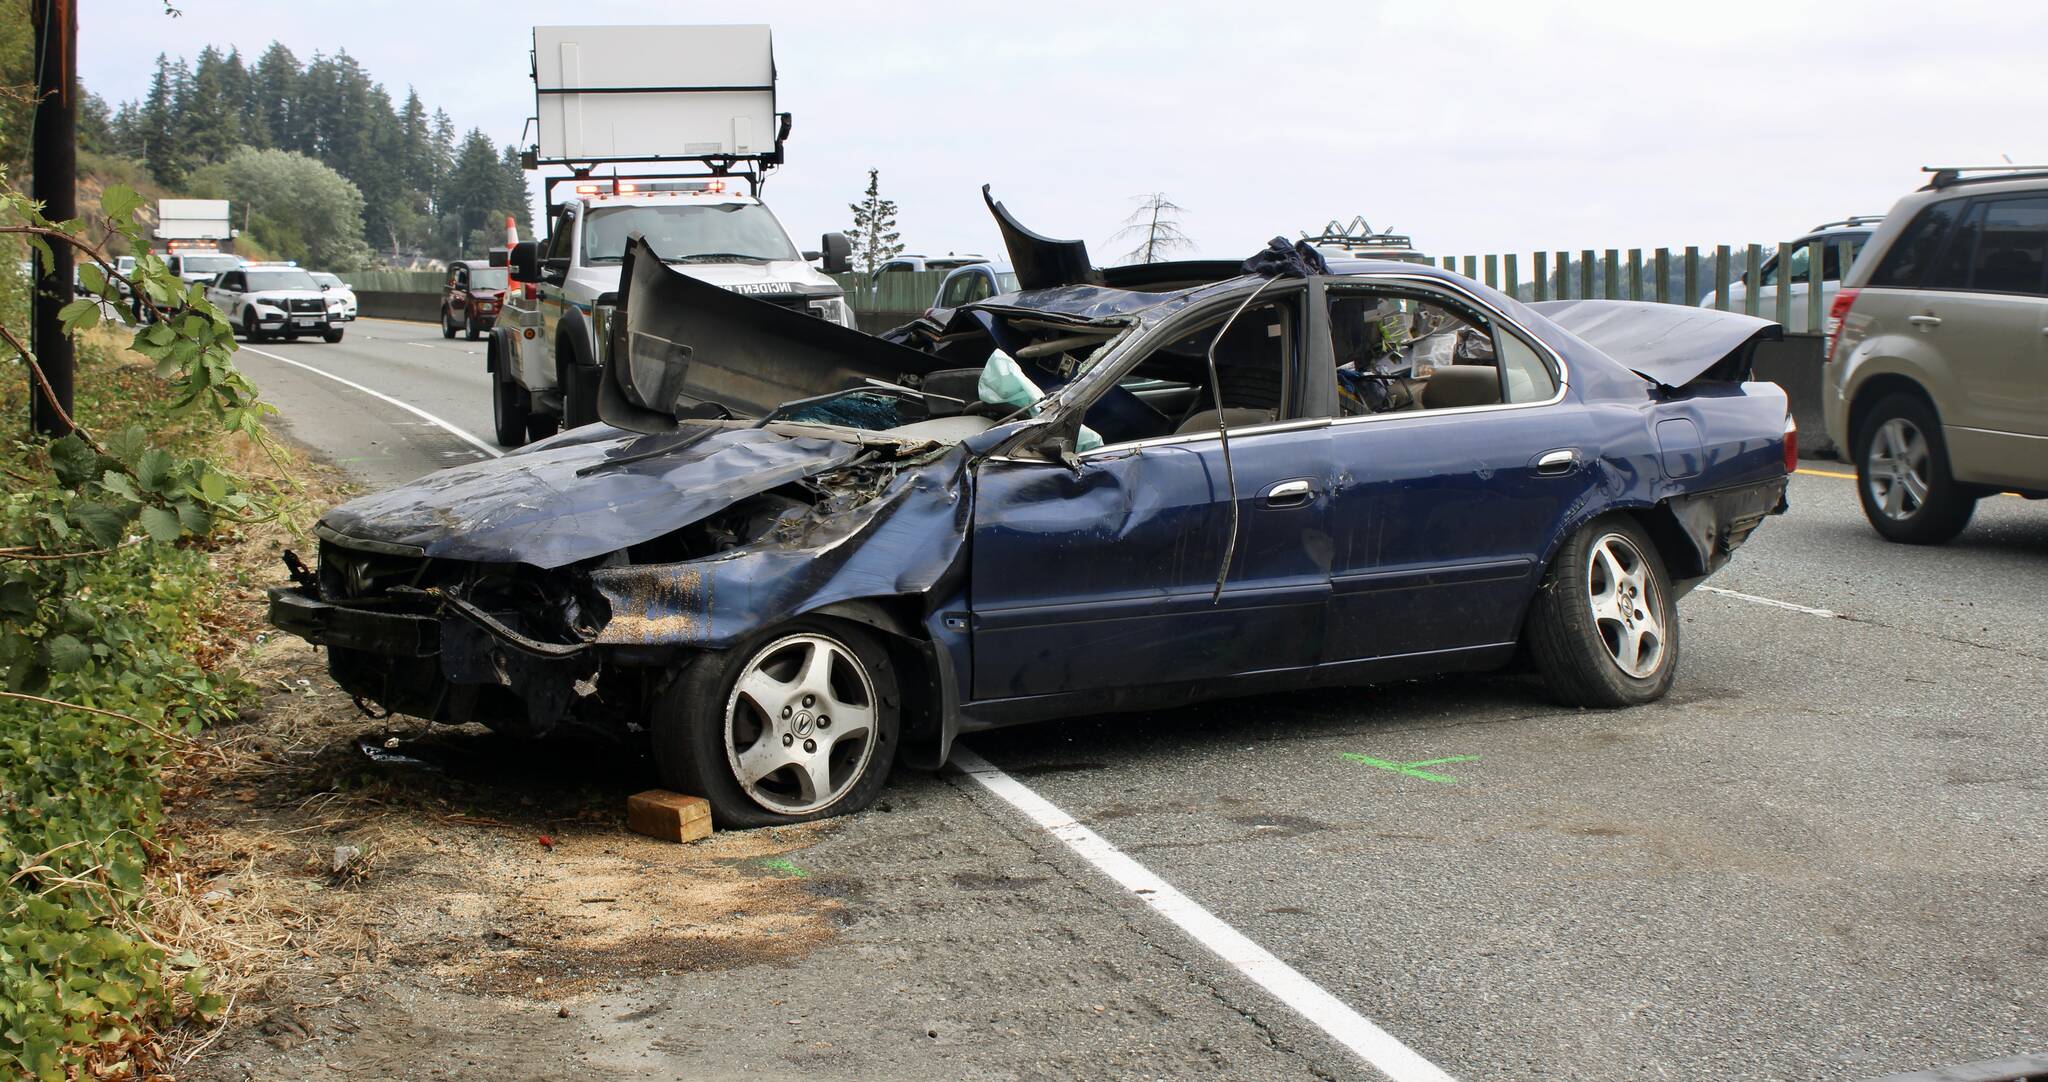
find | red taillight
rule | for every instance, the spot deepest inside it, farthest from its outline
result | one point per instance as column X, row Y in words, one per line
column 1838, row 313
column 1791, row 444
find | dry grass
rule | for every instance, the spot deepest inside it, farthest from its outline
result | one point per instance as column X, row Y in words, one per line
column 498, row 870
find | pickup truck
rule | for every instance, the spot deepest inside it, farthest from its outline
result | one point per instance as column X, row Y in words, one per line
column 543, row 355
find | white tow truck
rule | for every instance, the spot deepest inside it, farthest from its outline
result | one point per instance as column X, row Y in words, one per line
column 670, row 96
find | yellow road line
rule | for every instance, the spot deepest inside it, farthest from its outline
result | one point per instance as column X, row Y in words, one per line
column 1852, row 477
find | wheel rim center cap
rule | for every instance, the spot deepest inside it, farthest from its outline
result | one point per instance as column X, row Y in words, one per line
column 801, row 723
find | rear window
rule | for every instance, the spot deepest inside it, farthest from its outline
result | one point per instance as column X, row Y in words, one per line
column 2001, row 247
column 1916, row 248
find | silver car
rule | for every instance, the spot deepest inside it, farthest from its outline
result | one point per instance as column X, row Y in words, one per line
column 1937, row 353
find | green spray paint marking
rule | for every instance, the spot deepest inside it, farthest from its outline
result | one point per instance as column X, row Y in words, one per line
column 1410, row 769
column 784, row 867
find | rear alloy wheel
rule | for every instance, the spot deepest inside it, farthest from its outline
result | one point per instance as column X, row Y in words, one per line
column 447, row 327
column 801, row 724
column 1604, row 627
column 1903, row 478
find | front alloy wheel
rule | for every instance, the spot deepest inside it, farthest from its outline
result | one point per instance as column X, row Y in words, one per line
column 800, row 724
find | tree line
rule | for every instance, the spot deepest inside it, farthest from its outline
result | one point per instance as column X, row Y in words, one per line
column 424, row 192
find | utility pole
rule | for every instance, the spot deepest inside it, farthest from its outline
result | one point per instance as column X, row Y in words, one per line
column 54, row 161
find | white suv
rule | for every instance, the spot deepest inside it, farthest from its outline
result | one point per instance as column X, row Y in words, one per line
column 1936, row 378
column 1840, row 239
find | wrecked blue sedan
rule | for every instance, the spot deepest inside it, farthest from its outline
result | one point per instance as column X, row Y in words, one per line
column 795, row 554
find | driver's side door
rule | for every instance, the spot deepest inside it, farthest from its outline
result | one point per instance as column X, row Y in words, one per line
column 1103, row 574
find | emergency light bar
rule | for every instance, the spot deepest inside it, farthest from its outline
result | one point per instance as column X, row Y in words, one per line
column 707, row 186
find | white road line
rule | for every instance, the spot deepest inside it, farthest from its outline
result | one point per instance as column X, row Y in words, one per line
column 382, row 397
column 1773, row 602
column 1308, row 999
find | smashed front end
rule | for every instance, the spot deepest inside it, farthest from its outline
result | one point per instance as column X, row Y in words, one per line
column 535, row 613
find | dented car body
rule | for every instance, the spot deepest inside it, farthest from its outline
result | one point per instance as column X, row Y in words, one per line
column 1227, row 482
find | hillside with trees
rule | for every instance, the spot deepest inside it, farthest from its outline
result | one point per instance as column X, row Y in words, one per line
column 276, row 136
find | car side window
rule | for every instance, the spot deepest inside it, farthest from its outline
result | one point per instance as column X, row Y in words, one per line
column 959, row 290
column 2001, row 247
column 1399, row 349
column 558, row 241
column 1525, row 376
column 231, row 283
column 1914, row 250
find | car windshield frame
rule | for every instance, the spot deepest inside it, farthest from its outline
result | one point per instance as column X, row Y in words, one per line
column 758, row 238
column 291, row 278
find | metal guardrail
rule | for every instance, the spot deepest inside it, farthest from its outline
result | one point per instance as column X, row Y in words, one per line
column 1664, row 275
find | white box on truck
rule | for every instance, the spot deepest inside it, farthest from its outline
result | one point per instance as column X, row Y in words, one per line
column 192, row 219
column 626, row 93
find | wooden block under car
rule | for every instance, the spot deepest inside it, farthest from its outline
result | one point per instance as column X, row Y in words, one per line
column 672, row 817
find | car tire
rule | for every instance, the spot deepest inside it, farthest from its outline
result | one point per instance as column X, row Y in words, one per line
column 1903, row 478
column 331, row 336
column 249, row 331
column 1603, row 629
column 469, row 330
column 709, row 726
column 447, row 328
column 511, row 412
column 579, row 395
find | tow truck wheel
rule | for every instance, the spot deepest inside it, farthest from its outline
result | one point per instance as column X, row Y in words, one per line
column 1604, row 626
column 579, row 395
column 798, row 723
column 511, row 413
column 447, row 328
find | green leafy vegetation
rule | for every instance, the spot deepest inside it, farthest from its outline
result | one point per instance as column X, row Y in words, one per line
column 107, row 658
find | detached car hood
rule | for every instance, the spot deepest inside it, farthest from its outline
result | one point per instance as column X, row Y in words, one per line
column 586, row 493
column 1668, row 344
column 678, row 343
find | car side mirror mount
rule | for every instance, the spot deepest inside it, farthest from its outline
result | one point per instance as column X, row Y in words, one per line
column 838, row 253
column 524, row 260
column 554, row 271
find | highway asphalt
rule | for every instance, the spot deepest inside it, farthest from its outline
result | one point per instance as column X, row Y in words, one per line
column 1823, row 856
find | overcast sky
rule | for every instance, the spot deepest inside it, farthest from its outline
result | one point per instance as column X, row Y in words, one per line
column 1474, row 127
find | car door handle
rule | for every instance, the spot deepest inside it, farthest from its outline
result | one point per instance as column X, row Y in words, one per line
column 1557, row 463
column 1924, row 321
column 1284, row 494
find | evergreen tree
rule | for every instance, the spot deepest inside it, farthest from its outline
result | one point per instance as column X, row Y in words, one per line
column 875, row 240
column 274, row 91
column 208, row 125
column 515, row 191
column 156, row 128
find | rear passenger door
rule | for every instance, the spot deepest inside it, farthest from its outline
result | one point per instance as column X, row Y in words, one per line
column 1984, row 304
column 1441, row 516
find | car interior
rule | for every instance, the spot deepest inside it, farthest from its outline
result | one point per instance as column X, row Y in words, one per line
column 1394, row 350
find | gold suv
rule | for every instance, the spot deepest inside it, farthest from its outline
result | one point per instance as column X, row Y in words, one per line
column 1937, row 353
